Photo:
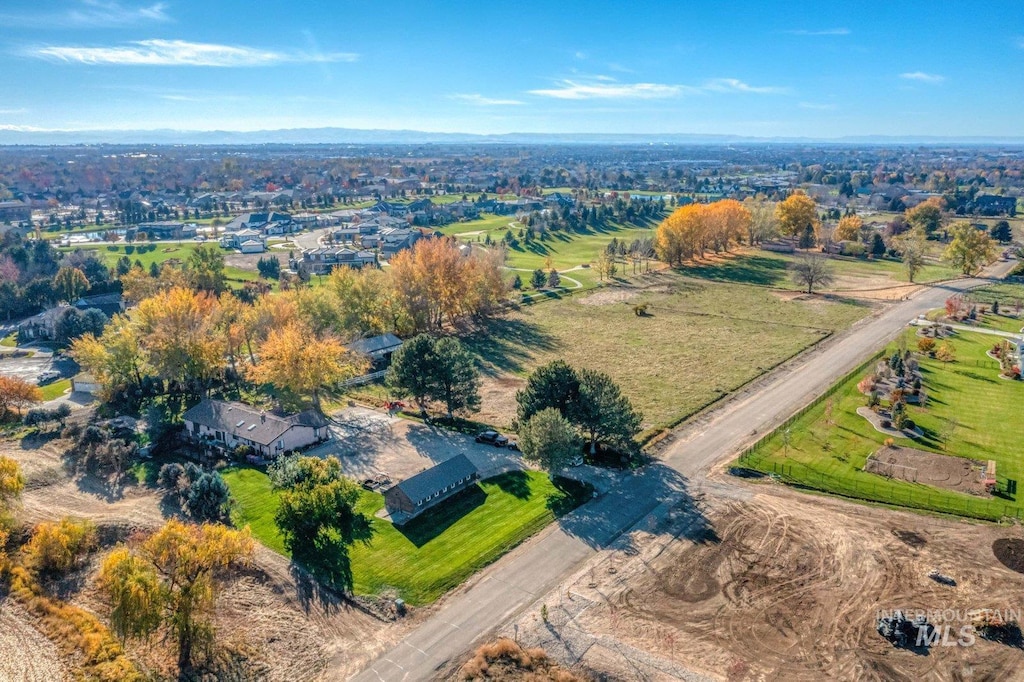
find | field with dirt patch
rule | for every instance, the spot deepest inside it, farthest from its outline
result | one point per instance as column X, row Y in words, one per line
column 780, row 586
column 696, row 342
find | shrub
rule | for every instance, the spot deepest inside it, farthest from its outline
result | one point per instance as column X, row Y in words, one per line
column 926, row 345
column 56, row 547
column 170, row 475
column 640, row 310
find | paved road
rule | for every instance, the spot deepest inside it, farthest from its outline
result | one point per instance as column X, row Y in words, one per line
column 528, row 573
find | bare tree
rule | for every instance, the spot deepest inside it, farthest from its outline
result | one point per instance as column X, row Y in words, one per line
column 812, row 271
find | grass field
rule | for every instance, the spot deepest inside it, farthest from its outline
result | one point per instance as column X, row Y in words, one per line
column 158, row 253
column 432, row 554
column 967, row 393
column 55, row 389
column 770, row 269
column 9, row 341
column 565, row 249
column 699, row 341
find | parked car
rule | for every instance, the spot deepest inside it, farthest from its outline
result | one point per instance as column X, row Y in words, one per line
column 513, row 445
column 492, row 438
column 48, row 376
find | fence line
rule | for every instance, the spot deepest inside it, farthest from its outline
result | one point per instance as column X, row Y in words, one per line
column 872, row 491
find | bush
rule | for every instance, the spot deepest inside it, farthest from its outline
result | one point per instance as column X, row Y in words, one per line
column 56, row 547
column 171, row 475
column 926, row 345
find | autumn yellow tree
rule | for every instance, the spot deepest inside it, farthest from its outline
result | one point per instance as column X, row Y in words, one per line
column 849, row 228
column 680, row 237
column 177, row 332
column 11, row 485
column 70, row 284
column 367, row 302
column 171, row 581
column 926, row 217
column 115, row 358
column 727, row 222
column 437, row 280
column 796, row 213
column 137, row 284
column 294, row 359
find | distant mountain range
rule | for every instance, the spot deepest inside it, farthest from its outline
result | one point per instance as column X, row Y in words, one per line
column 294, row 136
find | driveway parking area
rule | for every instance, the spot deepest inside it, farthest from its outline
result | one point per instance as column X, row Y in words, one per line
column 369, row 443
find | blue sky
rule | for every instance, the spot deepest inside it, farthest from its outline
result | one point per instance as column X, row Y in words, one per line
column 822, row 69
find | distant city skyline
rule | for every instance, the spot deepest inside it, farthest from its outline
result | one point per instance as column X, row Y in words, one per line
column 752, row 69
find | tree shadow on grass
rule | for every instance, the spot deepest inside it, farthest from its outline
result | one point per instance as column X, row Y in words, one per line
column 572, row 493
column 515, row 483
column 758, row 270
column 432, row 522
column 508, row 344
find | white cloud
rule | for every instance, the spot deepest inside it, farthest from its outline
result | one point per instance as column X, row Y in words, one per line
column 183, row 53
column 922, row 77
column 485, row 101
column 823, row 32
column 567, row 89
column 94, row 13
column 736, row 85
column 606, row 87
column 21, row 110
column 817, row 107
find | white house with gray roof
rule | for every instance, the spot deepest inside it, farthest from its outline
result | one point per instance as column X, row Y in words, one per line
column 229, row 424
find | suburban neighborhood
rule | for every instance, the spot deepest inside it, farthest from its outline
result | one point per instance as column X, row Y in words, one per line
column 399, row 343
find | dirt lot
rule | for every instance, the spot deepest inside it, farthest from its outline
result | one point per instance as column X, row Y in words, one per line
column 781, row 586
column 273, row 626
column 942, row 471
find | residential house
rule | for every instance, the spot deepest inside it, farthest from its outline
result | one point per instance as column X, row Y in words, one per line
column 15, row 211
column 108, row 304
column 162, row 229
column 228, row 425
column 991, row 204
column 322, row 260
column 85, row 383
column 271, row 223
column 378, row 348
column 40, row 327
column 234, row 240
column 252, row 246
column 415, row 495
column 394, row 240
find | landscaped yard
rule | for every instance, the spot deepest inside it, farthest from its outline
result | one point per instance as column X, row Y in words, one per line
column 971, row 412
column 55, row 389
column 439, row 550
column 699, row 341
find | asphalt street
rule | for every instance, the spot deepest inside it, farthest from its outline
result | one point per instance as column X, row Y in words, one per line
column 523, row 576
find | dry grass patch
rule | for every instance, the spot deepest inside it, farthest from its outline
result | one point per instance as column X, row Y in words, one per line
column 698, row 341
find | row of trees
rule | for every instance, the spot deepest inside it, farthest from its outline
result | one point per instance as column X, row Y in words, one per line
column 693, row 230
column 184, row 334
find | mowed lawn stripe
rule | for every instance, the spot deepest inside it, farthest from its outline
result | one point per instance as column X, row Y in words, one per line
column 431, row 554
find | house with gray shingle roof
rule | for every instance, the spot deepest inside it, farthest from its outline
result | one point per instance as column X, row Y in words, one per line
column 227, row 425
column 426, row 489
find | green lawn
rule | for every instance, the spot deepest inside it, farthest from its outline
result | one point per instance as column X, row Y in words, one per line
column 831, row 457
column 159, row 253
column 10, row 341
column 565, row 249
column 699, row 341
column 432, row 554
column 766, row 268
column 55, row 390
